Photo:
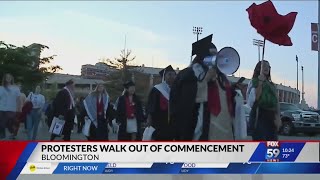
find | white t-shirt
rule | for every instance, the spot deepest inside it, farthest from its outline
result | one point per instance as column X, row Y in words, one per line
column 8, row 98
column 251, row 95
column 37, row 100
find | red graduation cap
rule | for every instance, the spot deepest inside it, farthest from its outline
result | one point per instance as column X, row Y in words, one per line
column 271, row 25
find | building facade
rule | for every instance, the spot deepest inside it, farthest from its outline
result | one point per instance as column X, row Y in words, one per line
column 82, row 85
column 285, row 93
column 97, row 71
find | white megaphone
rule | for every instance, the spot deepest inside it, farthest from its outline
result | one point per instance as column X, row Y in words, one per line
column 227, row 60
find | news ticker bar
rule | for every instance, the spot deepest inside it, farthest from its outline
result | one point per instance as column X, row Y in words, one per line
column 204, row 152
column 197, row 157
column 174, row 168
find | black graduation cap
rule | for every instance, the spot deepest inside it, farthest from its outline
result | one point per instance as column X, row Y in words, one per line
column 165, row 70
column 201, row 47
column 128, row 84
column 70, row 82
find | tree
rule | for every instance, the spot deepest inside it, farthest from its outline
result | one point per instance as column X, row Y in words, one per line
column 51, row 92
column 26, row 63
column 122, row 63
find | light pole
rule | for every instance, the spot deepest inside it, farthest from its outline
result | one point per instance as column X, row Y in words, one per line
column 302, row 84
column 318, row 55
column 297, row 72
column 258, row 43
column 197, row 31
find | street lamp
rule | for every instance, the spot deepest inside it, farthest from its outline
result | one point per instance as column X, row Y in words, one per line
column 258, row 43
column 297, row 59
column 197, row 31
column 302, row 83
column 318, row 55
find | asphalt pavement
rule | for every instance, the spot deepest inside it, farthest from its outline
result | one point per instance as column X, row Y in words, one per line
column 44, row 135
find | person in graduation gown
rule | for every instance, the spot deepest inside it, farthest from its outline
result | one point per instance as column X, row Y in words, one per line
column 129, row 114
column 189, row 97
column 158, row 106
column 64, row 108
column 221, row 108
column 202, row 99
column 100, row 112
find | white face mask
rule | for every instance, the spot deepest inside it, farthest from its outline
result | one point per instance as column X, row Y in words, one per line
column 199, row 72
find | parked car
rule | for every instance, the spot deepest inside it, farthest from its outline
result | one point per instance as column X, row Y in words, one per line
column 295, row 120
column 317, row 111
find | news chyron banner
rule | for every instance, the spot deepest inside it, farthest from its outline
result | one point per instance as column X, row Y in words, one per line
column 271, row 157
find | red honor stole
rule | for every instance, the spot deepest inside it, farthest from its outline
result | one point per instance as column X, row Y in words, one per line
column 163, row 103
column 214, row 104
column 100, row 106
column 130, row 108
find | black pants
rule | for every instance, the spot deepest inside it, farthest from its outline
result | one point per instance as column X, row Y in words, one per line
column 265, row 129
column 93, row 133
column 184, row 131
column 7, row 119
column 101, row 132
column 66, row 136
column 80, row 123
column 66, row 129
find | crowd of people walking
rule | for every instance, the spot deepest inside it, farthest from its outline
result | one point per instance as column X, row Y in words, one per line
column 179, row 108
column 197, row 104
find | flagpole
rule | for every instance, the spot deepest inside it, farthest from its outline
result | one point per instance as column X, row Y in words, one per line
column 318, row 55
column 263, row 50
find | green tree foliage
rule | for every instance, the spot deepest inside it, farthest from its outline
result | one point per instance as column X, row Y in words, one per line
column 26, row 64
column 51, row 92
column 122, row 63
column 114, row 86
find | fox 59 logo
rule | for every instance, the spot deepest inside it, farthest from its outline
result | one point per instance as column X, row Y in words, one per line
column 273, row 151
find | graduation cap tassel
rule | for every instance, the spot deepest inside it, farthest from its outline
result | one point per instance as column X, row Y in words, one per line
column 163, row 75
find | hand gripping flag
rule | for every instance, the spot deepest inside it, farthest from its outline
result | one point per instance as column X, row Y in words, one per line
column 271, row 25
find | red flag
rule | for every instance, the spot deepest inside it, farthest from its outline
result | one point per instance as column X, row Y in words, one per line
column 271, row 25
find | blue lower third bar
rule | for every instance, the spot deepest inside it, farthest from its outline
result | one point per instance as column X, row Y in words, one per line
column 233, row 168
column 80, row 168
column 176, row 168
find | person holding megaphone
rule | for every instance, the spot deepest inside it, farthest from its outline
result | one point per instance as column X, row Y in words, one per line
column 201, row 99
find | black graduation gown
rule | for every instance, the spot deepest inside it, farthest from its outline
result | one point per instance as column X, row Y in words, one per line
column 122, row 118
column 101, row 132
column 184, row 109
column 61, row 106
column 163, row 128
